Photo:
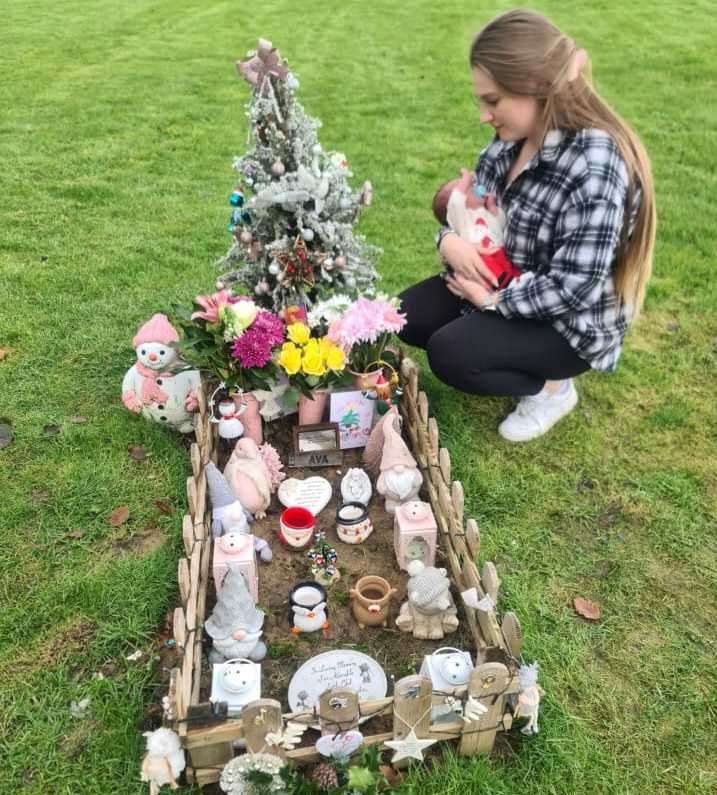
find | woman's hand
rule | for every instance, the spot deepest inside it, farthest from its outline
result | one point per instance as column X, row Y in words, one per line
column 465, row 260
column 473, row 291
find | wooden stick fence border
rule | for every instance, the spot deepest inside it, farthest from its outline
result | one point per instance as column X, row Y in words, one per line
column 209, row 747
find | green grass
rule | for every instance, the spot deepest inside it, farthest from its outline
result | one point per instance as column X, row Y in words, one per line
column 118, row 127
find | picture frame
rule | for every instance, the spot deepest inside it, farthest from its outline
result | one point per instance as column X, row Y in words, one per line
column 354, row 414
column 316, row 445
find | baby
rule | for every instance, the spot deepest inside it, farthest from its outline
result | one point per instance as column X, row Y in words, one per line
column 470, row 211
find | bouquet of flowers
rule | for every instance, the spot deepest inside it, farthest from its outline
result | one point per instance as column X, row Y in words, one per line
column 364, row 329
column 232, row 339
column 310, row 362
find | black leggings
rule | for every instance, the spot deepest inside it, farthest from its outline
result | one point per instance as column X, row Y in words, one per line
column 482, row 352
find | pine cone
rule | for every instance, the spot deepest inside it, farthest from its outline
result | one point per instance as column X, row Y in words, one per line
column 325, row 777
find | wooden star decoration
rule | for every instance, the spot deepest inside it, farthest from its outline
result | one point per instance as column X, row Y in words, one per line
column 409, row 747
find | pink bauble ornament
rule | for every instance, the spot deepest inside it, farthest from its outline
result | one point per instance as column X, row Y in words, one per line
column 278, row 168
column 246, row 236
column 340, row 262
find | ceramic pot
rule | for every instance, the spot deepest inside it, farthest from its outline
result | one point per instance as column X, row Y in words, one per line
column 307, row 607
column 371, row 600
column 251, row 417
column 353, row 524
column 311, row 410
column 296, row 527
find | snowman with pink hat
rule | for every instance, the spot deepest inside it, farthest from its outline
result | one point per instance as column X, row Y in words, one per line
column 155, row 385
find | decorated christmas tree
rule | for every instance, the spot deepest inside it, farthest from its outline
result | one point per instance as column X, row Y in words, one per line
column 294, row 210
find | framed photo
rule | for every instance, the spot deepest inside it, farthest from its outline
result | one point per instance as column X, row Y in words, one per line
column 320, row 438
column 354, row 414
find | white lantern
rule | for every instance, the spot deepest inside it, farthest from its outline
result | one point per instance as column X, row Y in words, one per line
column 237, row 682
column 449, row 670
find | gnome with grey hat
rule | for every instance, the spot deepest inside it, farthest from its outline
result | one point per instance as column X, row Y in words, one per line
column 235, row 625
column 430, row 611
column 228, row 514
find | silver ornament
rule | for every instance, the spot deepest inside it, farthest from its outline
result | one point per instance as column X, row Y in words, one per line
column 274, row 269
column 345, row 204
column 316, row 149
column 350, row 281
column 307, row 234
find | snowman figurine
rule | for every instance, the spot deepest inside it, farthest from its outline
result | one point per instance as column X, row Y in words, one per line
column 155, row 386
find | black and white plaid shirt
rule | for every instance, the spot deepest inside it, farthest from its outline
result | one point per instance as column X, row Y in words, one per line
column 565, row 212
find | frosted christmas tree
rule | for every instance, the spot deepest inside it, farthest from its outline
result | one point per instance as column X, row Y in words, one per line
column 294, row 210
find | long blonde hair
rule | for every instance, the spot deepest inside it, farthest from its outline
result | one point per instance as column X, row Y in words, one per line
column 525, row 54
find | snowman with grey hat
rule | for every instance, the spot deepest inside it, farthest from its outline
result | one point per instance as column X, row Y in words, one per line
column 228, row 514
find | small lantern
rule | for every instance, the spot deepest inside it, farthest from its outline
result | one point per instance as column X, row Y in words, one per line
column 449, row 670
column 237, row 682
column 236, row 548
column 414, row 534
column 353, row 524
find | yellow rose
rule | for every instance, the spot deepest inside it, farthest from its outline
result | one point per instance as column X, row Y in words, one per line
column 312, row 348
column 298, row 333
column 290, row 358
column 313, row 364
column 335, row 359
column 325, row 345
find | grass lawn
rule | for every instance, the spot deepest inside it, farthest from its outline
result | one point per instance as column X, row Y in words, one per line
column 119, row 123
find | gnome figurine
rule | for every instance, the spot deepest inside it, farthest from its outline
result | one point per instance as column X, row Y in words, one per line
column 430, row 611
column 155, row 385
column 228, row 514
column 249, row 477
column 235, row 625
column 400, row 480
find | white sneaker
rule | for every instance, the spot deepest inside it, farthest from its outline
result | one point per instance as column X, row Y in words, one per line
column 536, row 414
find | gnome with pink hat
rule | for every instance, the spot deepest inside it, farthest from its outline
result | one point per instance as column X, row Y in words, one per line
column 155, row 385
column 400, row 479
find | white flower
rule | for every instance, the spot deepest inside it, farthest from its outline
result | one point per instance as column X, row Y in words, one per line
column 331, row 309
column 237, row 318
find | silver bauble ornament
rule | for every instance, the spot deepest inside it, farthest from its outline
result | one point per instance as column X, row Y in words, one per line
column 350, row 281
column 307, row 234
column 316, row 149
column 278, row 168
column 345, row 204
column 274, row 269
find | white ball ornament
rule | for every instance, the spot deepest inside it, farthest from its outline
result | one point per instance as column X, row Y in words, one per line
column 350, row 281
column 246, row 236
column 307, row 234
column 340, row 261
column 219, row 284
column 278, row 168
column 274, row 269
column 316, row 149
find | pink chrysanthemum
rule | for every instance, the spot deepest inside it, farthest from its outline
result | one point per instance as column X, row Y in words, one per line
column 254, row 347
column 366, row 321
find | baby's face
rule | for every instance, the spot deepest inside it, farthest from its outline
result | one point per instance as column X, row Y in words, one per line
column 440, row 200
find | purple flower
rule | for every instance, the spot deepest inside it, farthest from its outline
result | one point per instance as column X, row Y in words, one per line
column 255, row 346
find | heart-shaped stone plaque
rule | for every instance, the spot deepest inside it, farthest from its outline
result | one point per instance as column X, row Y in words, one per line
column 313, row 493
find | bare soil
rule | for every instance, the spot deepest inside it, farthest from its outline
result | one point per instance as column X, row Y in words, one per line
column 398, row 653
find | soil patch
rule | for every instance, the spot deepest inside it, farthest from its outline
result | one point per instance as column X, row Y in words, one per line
column 399, row 653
